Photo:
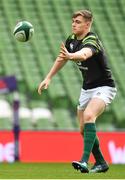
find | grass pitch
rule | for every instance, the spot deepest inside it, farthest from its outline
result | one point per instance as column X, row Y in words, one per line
column 55, row 171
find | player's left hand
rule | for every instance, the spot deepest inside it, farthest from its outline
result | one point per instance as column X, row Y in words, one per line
column 64, row 54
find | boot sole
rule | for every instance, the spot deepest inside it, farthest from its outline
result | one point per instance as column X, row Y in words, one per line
column 79, row 167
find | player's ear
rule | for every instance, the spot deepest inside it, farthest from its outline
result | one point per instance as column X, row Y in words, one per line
column 87, row 23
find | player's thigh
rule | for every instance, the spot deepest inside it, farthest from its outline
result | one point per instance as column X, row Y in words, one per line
column 94, row 108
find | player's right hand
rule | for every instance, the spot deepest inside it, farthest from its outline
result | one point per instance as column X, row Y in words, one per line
column 43, row 85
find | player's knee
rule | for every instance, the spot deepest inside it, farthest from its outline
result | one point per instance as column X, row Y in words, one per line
column 88, row 117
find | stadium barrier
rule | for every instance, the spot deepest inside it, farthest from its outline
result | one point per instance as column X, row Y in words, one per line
column 60, row 146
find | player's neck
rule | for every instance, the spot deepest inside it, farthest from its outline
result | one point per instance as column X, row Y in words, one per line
column 80, row 37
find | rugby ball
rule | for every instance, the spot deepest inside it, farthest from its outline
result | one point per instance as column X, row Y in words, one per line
column 23, row 31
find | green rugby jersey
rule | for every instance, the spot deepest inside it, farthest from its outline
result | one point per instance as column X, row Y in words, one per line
column 95, row 70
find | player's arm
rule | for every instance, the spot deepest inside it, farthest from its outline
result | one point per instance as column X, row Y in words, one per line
column 58, row 64
column 80, row 55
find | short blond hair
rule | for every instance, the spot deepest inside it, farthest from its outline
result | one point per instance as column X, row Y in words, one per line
column 86, row 14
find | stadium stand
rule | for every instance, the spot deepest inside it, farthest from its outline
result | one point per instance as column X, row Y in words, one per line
column 31, row 61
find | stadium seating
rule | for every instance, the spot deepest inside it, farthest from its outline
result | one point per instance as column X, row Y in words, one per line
column 31, row 61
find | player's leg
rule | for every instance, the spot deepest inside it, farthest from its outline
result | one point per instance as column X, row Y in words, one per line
column 78, row 164
column 94, row 108
column 81, row 121
column 96, row 151
column 107, row 94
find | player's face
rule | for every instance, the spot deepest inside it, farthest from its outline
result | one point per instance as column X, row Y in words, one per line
column 79, row 25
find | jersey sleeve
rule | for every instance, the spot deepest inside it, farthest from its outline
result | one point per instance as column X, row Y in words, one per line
column 67, row 43
column 68, row 40
column 92, row 42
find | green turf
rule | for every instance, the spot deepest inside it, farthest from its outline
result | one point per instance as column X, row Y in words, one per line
column 55, row 171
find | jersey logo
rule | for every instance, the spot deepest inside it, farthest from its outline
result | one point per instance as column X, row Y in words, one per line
column 71, row 46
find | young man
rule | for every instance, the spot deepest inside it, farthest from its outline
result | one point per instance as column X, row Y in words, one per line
column 98, row 90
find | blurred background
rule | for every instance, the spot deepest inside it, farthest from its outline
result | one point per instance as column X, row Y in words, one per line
column 55, row 109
